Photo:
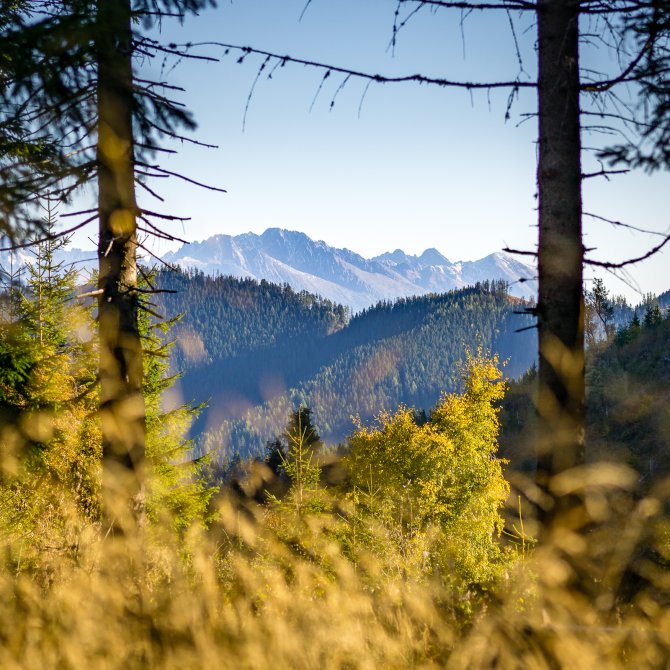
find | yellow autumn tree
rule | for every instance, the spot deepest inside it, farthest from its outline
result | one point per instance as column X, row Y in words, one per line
column 436, row 489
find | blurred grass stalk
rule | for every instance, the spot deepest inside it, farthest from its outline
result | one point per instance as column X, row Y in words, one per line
column 279, row 586
column 242, row 595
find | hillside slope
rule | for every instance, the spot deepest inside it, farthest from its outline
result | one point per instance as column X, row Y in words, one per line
column 628, row 401
column 224, row 318
column 402, row 352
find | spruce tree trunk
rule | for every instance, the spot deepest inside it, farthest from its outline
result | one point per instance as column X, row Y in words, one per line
column 121, row 400
column 561, row 403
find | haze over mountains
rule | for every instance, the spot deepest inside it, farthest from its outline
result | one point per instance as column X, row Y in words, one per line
column 283, row 256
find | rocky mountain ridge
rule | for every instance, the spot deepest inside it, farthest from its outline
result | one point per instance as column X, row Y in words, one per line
column 284, row 256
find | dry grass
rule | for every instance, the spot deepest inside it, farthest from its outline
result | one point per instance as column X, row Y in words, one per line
column 594, row 594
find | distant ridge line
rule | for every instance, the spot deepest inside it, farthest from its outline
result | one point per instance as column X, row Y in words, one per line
column 342, row 275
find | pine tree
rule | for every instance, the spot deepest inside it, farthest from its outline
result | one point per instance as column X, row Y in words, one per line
column 599, row 313
column 299, row 463
column 652, row 316
column 275, row 456
column 176, row 491
column 51, row 285
column 57, row 459
column 304, row 443
column 635, row 325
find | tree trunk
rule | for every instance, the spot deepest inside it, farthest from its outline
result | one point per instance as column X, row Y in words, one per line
column 561, row 403
column 121, row 399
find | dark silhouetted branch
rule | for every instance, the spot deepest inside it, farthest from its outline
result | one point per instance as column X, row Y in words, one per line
column 168, row 173
column 520, row 252
column 603, row 173
column 600, row 87
column 620, row 224
column 630, row 261
column 507, row 5
column 373, row 78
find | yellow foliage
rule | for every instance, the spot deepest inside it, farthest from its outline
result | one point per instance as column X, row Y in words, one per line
column 438, row 487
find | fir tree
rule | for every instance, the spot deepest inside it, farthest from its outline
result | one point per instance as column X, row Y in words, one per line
column 652, row 316
column 294, row 458
column 599, row 315
column 175, row 486
column 635, row 325
column 275, row 456
column 303, row 443
column 54, row 396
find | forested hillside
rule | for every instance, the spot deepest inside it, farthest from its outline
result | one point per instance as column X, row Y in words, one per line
column 224, row 317
column 628, row 394
column 286, row 348
column 629, row 397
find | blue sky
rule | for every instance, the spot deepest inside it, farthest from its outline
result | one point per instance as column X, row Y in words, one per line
column 411, row 166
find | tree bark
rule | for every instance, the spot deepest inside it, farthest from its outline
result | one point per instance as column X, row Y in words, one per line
column 121, row 401
column 561, row 401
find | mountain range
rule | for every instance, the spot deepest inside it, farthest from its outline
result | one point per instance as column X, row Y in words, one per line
column 343, row 276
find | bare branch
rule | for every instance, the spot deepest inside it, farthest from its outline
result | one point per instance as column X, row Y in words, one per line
column 620, row 224
column 520, row 252
column 79, row 213
column 630, row 261
column 513, row 5
column 168, row 173
column 169, row 133
column 602, row 86
column 603, row 173
column 167, row 217
column 141, row 245
column 251, row 91
column 91, row 294
column 149, row 190
column 180, row 50
column 151, row 291
column 160, row 234
column 373, row 78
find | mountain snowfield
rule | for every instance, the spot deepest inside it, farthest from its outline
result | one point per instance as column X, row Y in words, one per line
column 343, row 276
column 284, row 256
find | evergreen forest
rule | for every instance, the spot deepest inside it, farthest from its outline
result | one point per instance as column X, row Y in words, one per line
column 285, row 349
